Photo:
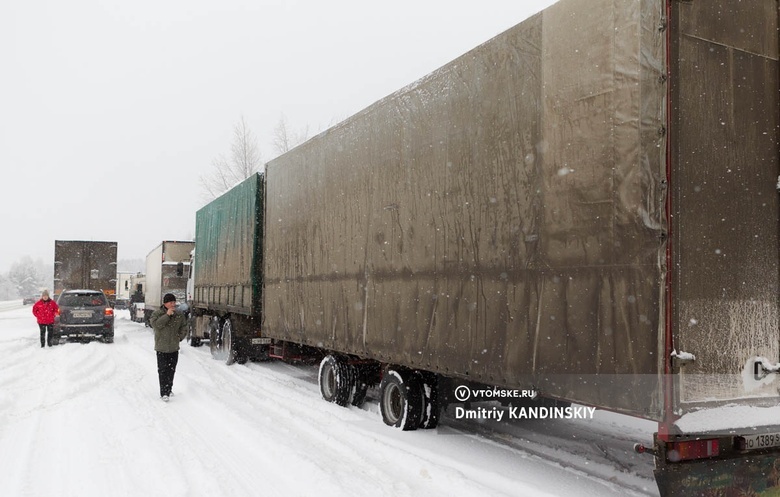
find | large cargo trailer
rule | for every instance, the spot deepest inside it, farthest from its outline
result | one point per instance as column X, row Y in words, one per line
column 584, row 206
column 88, row 265
column 167, row 268
column 227, row 273
column 123, row 289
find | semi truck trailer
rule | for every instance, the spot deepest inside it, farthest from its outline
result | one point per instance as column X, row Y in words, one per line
column 584, row 206
column 167, row 269
column 88, row 265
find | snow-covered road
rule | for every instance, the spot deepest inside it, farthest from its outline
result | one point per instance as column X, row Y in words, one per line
column 86, row 420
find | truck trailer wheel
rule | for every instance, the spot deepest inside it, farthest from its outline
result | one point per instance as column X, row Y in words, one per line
column 221, row 342
column 429, row 389
column 401, row 399
column 336, row 379
column 214, row 337
column 191, row 332
column 228, row 349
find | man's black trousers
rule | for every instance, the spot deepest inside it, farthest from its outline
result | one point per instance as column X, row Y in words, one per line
column 166, row 368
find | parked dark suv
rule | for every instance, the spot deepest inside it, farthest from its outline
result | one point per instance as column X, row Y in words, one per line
column 84, row 315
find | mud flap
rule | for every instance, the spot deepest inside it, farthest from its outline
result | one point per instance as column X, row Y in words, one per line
column 245, row 349
column 755, row 475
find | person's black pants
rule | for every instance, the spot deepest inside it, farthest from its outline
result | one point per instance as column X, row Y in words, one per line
column 44, row 329
column 166, row 368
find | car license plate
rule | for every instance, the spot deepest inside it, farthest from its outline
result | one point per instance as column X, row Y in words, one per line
column 762, row 441
column 82, row 314
column 261, row 341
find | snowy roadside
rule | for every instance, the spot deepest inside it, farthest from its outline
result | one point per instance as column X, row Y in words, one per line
column 86, row 420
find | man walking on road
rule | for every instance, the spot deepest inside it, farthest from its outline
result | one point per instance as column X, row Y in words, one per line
column 170, row 328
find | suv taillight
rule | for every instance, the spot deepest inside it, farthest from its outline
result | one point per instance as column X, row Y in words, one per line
column 109, row 311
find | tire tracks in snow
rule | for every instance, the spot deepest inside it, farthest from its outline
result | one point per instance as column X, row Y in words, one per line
column 429, row 470
column 292, row 433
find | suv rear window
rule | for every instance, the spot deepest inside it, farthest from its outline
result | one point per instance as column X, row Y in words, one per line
column 83, row 300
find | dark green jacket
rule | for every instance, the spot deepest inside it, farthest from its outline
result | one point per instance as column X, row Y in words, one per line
column 168, row 330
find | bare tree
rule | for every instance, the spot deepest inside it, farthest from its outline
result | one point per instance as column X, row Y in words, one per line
column 8, row 290
column 286, row 139
column 26, row 276
column 245, row 160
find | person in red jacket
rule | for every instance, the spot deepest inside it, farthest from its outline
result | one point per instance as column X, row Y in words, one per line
column 45, row 310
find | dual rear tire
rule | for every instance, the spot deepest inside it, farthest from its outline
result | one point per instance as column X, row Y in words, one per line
column 408, row 399
column 221, row 343
column 337, row 380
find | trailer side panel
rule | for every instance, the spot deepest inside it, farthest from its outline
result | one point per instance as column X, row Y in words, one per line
column 228, row 262
column 500, row 220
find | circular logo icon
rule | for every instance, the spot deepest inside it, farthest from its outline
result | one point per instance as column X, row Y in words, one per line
column 462, row 393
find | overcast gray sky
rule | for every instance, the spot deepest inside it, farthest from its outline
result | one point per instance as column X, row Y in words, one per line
column 111, row 111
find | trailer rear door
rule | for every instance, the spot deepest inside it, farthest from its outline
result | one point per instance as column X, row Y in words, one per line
column 724, row 177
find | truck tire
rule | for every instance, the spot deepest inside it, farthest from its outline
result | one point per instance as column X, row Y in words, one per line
column 336, row 380
column 431, row 410
column 194, row 341
column 401, row 399
column 215, row 343
column 227, row 343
